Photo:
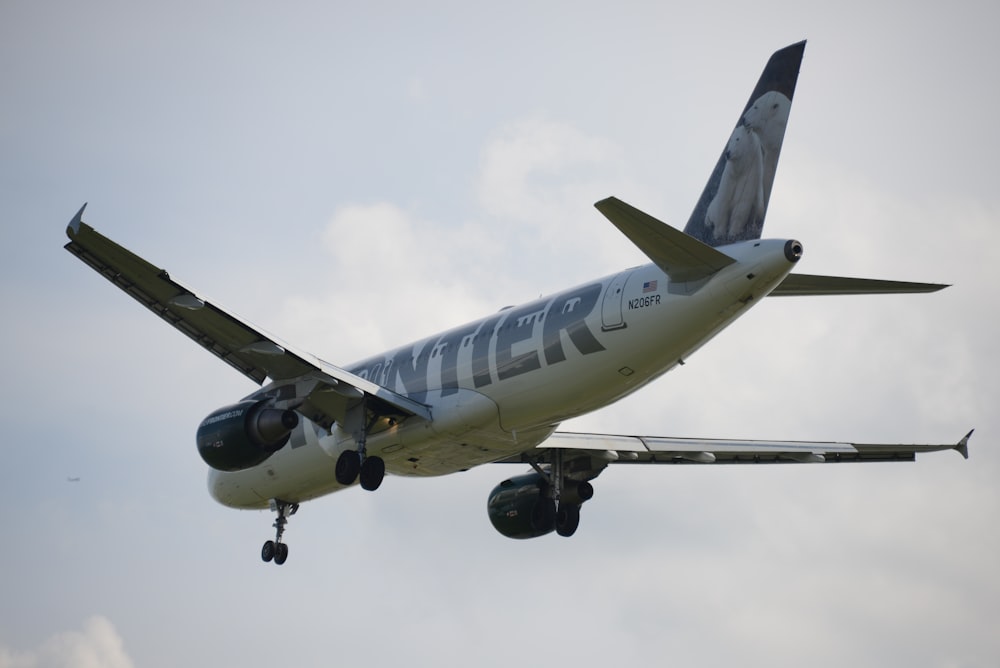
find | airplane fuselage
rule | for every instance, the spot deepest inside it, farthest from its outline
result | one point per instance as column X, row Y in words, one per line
column 502, row 384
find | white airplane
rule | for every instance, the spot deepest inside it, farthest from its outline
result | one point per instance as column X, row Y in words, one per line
column 496, row 389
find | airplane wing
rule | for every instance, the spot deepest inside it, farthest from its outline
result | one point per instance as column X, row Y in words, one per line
column 796, row 285
column 615, row 448
column 247, row 349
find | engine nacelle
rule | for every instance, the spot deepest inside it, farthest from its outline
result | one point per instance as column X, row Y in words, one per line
column 237, row 437
column 520, row 507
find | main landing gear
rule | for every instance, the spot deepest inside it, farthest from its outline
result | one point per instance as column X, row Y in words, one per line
column 274, row 549
column 352, row 464
column 565, row 497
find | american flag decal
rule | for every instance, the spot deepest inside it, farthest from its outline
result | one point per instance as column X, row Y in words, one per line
column 649, row 286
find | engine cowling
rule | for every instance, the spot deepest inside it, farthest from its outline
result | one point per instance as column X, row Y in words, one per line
column 237, row 437
column 520, row 507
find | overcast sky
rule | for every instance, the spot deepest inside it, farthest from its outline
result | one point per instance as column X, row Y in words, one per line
column 355, row 178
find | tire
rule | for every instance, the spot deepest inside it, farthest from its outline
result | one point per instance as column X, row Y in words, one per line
column 567, row 519
column 348, row 466
column 280, row 553
column 543, row 515
column 267, row 552
column 372, row 473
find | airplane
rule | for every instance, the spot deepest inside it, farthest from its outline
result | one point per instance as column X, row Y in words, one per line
column 495, row 390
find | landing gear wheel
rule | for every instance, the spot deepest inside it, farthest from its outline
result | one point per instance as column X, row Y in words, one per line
column 275, row 550
column 348, row 467
column 372, row 473
column 567, row 519
column 543, row 515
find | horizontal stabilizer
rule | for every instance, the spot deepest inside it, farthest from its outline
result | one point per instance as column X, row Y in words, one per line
column 681, row 257
column 800, row 285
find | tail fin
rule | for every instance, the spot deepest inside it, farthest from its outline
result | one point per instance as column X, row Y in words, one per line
column 733, row 204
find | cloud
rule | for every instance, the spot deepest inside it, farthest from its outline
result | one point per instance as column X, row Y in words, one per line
column 389, row 262
column 373, row 294
column 98, row 645
column 520, row 164
column 537, row 182
column 416, row 89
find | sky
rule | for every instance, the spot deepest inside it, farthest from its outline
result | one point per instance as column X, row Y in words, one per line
column 355, row 177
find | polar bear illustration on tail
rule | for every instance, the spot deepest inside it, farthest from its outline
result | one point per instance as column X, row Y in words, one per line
column 767, row 118
column 751, row 159
column 739, row 201
column 733, row 204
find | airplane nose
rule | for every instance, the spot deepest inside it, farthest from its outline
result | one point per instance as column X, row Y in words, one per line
column 793, row 250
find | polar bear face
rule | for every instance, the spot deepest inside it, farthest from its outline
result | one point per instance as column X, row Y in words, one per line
column 741, row 149
column 767, row 118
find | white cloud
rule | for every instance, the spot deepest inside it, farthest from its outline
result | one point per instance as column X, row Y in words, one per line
column 98, row 645
column 396, row 275
column 529, row 165
column 385, row 266
column 537, row 182
column 416, row 89
column 538, row 177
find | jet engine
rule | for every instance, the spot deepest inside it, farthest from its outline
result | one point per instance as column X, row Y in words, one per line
column 521, row 507
column 237, row 437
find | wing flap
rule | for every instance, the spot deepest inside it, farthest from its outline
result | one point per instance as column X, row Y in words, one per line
column 801, row 285
column 681, row 257
column 620, row 448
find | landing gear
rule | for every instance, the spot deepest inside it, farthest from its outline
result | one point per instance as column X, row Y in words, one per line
column 567, row 519
column 372, row 473
column 354, row 463
column 270, row 551
column 274, row 549
column 564, row 498
column 350, row 467
column 543, row 515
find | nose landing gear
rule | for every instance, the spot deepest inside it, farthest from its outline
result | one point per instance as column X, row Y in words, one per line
column 274, row 549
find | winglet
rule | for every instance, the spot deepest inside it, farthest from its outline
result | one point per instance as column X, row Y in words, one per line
column 963, row 445
column 74, row 225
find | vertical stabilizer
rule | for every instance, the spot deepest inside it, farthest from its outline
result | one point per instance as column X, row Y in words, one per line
column 734, row 202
